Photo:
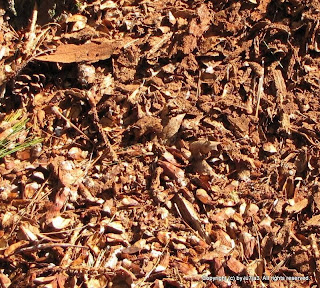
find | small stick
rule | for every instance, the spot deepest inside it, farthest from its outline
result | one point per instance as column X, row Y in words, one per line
column 58, row 113
column 274, row 56
column 259, row 93
column 316, row 255
column 143, row 280
column 34, row 17
column 199, row 85
column 78, row 93
column 32, row 35
column 259, row 71
column 106, row 140
column 49, row 245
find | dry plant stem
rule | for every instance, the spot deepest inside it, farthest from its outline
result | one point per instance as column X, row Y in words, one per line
column 258, row 236
column 281, row 263
column 65, row 231
column 132, row 101
column 23, row 212
column 49, row 245
column 77, row 269
column 10, row 30
column 58, row 113
column 199, row 85
column 201, row 235
column 274, row 56
column 34, row 17
column 106, row 141
column 154, row 266
column 36, row 197
column 32, row 35
column 99, row 258
column 87, row 96
column 316, row 254
column 130, row 43
column 305, row 136
column 73, row 239
column 159, row 44
column 259, row 93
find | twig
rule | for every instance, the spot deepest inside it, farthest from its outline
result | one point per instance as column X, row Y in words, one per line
column 58, row 113
column 154, row 266
column 32, row 35
column 88, row 96
column 65, row 231
column 259, row 93
column 316, row 255
column 199, row 85
column 280, row 264
column 77, row 269
column 34, row 17
column 47, row 246
column 109, row 148
column 305, row 136
column 274, row 56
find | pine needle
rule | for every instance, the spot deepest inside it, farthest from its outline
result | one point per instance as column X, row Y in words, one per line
column 12, row 128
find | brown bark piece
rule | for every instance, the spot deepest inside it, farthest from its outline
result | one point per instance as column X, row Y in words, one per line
column 88, row 52
column 280, row 86
column 235, row 266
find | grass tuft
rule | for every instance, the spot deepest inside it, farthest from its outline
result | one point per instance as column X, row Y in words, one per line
column 12, row 134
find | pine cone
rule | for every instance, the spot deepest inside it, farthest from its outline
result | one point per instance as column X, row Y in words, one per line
column 26, row 87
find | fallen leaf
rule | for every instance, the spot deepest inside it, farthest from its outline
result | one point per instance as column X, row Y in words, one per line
column 314, row 221
column 191, row 216
column 88, row 52
column 297, row 207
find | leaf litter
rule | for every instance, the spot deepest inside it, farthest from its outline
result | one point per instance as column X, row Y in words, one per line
column 180, row 144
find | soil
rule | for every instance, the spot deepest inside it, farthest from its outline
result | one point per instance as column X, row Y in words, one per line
column 180, row 143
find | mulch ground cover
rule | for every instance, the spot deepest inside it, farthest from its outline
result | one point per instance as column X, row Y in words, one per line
column 179, row 143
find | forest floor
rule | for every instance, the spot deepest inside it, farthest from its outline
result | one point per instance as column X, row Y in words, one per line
column 179, row 143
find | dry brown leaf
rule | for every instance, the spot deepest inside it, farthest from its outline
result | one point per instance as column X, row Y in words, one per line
column 314, row 221
column 235, row 189
column 163, row 237
column 79, row 22
column 173, row 126
column 186, row 268
column 44, row 280
column 164, row 263
column 128, row 202
column 114, row 227
column 98, row 282
column 76, row 153
column 249, row 243
column 202, row 167
column 269, row 147
column 256, row 268
column 173, row 172
column 15, row 246
column 201, row 147
column 88, row 52
column 297, row 207
column 60, row 223
column 29, row 231
column 5, row 281
column 203, row 196
column 191, row 216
